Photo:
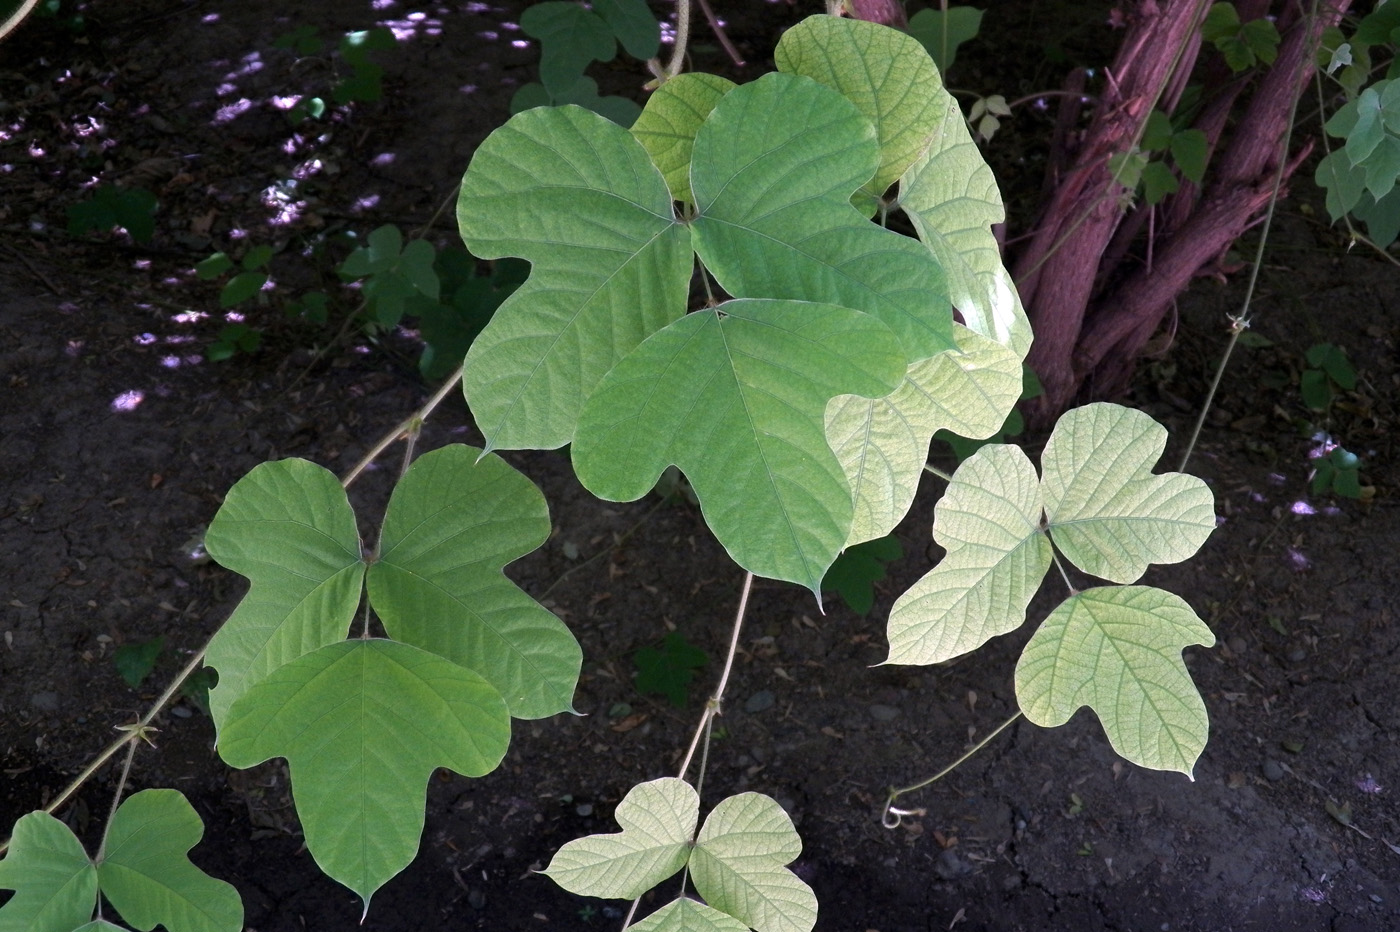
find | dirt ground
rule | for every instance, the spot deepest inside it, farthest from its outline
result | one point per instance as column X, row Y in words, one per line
column 119, row 440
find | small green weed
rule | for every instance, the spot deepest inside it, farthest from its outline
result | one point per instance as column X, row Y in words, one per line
column 130, row 209
column 856, row 571
column 669, row 669
column 1329, row 373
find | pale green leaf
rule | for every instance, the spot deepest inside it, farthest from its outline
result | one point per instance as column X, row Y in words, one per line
column 147, row 875
column 54, row 882
column 1117, row 649
column 686, row 915
column 773, row 170
column 883, row 443
column 989, row 523
column 1107, row 512
column 577, row 196
column 739, row 865
column 452, row 525
column 363, row 725
column 670, row 120
column 658, row 820
column 99, row 925
column 951, row 197
column 288, row 527
column 734, row 397
column 884, row 72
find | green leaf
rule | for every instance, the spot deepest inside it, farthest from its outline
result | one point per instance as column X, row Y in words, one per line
column 658, row 820
column 99, row 925
column 54, row 882
column 1157, row 182
column 241, row 287
column 416, row 262
column 951, row 197
column 1107, row 512
column 1383, row 167
column 147, row 875
column 1190, row 153
column 738, row 865
column 1382, row 217
column 734, row 397
column 111, row 206
column 670, row 120
column 884, row 72
column 1157, row 134
column 134, row 662
column 363, row 725
column 883, row 444
column 1343, row 182
column 257, row 257
column 1333, row 360
column 385, row 245
column 1117, row 649
column 288, row 527
column 578, row 197
column 941, row 32
column 571, row 38
column 670, row 669
column 1315, row 389
column 858, row 569
column 582, row 92
column 989, row 523
column 454, row 521
column 1368, row 130
column 214, row 266
column 686, row 915
column 773, row 170
column 634, row 25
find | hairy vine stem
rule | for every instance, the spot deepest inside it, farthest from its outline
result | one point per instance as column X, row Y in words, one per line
column 892, row 818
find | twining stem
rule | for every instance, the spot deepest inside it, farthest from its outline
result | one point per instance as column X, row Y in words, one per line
column 896, row 792
column 404, row 426
column 938, row 472
column 116, row 799
column 682, row 38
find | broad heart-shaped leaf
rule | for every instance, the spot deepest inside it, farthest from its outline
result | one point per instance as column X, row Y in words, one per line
column 634, row 25
column 670, row 120
column 571, row 38
column 1107, row 512
column 773, row 170
column 884, row 72
column 658, row 821
column 686, row 915
column 452, row 525
column 363, row 724
column 54, row 882
column 147, row 875
column 989, row 522
column 739, row 865
column 734, row 396
column 577, row 196
column 883, row 444
column 288, row 527
column 1117, row 649
column 951, row 196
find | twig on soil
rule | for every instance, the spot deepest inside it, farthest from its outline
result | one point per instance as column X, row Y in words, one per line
column 32, row 270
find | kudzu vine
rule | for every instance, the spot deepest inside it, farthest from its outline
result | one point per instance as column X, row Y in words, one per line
column 800, row 401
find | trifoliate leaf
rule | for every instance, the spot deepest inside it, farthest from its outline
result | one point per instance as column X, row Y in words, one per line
column 54, row 882
column 147, row 875
column 773, row 170
column 883, row 444
column 951, row 196
column 1107, row 512
column 734, row 397
column 739, row 865
column 670, row 120
column 288, row 527
column 989, row 522
column 452, row 525
column 363, row 725
column 686, row 915
column 658, row 820
column 884, row 72
column 577, row 196
column 1117, row 649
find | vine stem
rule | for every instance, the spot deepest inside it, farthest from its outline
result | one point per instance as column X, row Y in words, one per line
column 896, row 792
column 406, row 426
column 682, row 39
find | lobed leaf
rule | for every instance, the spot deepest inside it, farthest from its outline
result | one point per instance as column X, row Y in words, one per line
column 686, row 915
column 670, row 120
column 55, row 883
column 1117, row 649
column 739, row 865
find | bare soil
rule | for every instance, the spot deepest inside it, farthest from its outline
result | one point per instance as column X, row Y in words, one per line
column 120, row 438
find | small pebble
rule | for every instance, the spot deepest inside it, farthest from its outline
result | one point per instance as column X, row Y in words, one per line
column 1273, row 770
column 884, row 713
column 760, row 701
column 45, row 701
column 949, row 866
column 180, row 711
column 477, row 898
column 1297, row 655
column 584, row 809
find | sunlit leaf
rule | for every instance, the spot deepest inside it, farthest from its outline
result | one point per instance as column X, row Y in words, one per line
column 577, row 196
column 734, row 397
column 1117, row 649
column 773, row 170
column 686, row 915
column 739, row 865
column 883, row 443
column 989, row 523
column 452, row 525
column 658, row 820
column 670, row 120
column 288, row 527
column 54, row 882
column 363, row 725
column 1107, row 512
column 147, row 875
